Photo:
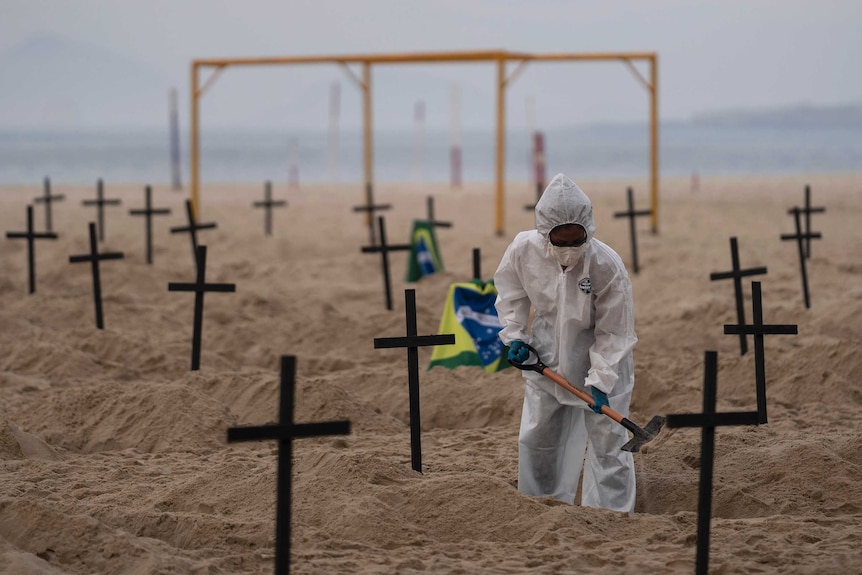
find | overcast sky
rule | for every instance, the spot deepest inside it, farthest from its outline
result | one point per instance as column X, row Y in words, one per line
column 713, row 55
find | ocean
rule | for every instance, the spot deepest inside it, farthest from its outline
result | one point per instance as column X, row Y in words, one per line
column 608, row 151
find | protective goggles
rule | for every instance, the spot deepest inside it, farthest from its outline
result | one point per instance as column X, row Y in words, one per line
column 568, row 236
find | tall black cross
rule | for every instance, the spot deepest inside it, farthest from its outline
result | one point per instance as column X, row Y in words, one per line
column 477, row 264
column 370, row 208
column 384, row 250
column 434, row 223
column 31, row 237
column 267, row 204
column 413, row 342
column 200, row 287
column 100, row 202
column 736, row 275
column 48, row 200
column 808, row 210
column 540, row 188
column 631, row 214
column 799, row 237
column 285, row 432
column 708, row 421
column 94, row 257
column 759, row 330
column 149, row 212
column 192, row 228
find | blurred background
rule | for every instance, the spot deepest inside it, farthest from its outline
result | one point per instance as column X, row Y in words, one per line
column 766, row 87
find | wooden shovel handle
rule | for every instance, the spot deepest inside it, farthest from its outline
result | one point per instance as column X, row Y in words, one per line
column 564, row 383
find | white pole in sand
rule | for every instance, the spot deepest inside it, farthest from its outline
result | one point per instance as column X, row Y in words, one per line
column 176, row 179
column 418, row 140
column 455, row 132
column 332, row 147
column 531, row 128
column 293, row 159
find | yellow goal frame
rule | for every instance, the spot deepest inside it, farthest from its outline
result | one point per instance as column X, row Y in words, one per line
column 500, row 57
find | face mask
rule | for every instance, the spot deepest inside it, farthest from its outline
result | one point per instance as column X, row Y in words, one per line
column 567, row 256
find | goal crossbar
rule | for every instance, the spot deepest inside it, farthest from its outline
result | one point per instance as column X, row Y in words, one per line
column 499, row 57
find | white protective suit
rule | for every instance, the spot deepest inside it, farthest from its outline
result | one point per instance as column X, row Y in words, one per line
column 583, row 329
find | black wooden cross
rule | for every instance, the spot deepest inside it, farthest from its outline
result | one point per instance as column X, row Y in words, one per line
column 370, row 208
column 192, row 228
column 759, row 330
column 708, row 421
column 200, row 287
column 540, row 188
column 799, row 237
column 736, row 275
column 477, row 264
column 48, row 200
column 149, row 212
column 631, row 214
column 434, row 223
column 384, row 250
column 285, row 432
column 808, row 210
column 267, row 204
column 31, row 237
column 413, row 342
column 100, row 202
column 94, row 257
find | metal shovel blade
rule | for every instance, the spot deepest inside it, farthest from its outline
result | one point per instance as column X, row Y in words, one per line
column 643, row 435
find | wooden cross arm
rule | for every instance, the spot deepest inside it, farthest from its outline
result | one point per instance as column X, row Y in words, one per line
column 634, row 213
column 740, row 273
column 156, row 212
column 413, row 341
column 340, row 427
column 712, row 419
column 195, row 227
column 760, row 329
column 179, row 286
column 41, row 199
column 372, row 207
column 389, row 248
column 102, row 202
column 40, row 236
column 89, row 258
column 813, row 235
column 275, row 204
column 257, row 433
column 804, row 210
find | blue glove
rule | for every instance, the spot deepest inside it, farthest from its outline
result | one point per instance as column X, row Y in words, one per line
column 600, row 398
column 518, row 351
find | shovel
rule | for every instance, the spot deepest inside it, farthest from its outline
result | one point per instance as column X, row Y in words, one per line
column 640, row 435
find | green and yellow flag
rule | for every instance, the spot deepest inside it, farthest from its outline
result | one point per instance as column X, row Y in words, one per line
column 424, row 258
column 470, row 314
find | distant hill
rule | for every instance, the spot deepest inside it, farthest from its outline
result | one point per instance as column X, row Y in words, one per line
column 801, row 116
column 50, row 82
column 53, row 82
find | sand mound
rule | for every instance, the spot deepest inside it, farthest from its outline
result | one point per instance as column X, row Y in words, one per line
column 114, row 454
column 17, row 444
column 115, row 415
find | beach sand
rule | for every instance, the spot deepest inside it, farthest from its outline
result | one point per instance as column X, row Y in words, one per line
column 113, row 454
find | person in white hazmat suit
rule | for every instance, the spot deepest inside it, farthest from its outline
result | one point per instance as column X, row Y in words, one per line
column 583, row 328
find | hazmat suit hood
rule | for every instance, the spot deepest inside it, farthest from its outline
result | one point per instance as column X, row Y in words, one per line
column 563, row 202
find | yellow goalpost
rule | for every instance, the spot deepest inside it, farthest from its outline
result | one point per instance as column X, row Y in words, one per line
column 498, row 57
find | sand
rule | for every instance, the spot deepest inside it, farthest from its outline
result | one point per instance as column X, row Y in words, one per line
column 113, row 454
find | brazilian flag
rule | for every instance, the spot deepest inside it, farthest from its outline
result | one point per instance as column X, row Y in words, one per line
column 424, row 258
column 470, row 314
